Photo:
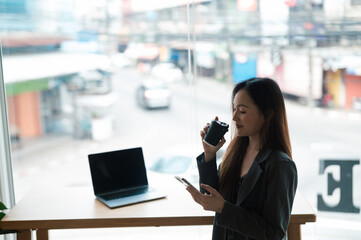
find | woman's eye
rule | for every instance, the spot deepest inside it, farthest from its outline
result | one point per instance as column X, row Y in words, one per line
column 241, row 110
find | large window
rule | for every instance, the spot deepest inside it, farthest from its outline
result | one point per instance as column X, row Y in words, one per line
column 91, row 76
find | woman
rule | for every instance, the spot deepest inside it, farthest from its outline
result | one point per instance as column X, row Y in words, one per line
column 252, row 192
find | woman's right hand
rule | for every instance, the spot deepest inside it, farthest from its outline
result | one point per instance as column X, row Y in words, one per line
column 209, row 150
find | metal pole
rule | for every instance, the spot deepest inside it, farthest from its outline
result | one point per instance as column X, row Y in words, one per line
column 310, row 72
column 310, row 101
column 7, row 194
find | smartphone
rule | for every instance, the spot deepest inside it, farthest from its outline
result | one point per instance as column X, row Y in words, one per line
column 184, row 182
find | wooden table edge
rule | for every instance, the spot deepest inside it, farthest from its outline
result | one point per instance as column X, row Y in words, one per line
column 107, row 223
column 303, row 218
column 127, row 222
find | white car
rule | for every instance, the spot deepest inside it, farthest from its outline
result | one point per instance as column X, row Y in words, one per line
column 168, row 72
column 120, row 61
column 153, row 93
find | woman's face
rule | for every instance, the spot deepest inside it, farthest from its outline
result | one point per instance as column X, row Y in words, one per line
column 247, row 116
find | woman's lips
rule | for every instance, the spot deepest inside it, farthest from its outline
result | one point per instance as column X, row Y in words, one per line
column 238, row 126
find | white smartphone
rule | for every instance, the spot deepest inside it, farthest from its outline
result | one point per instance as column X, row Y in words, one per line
column 184, row 182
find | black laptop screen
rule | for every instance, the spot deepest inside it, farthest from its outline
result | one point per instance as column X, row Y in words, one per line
column 116, row 170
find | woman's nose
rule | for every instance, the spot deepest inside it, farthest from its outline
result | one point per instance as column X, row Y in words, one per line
column 234, row 115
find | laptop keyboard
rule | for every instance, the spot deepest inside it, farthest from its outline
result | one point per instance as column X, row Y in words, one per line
column 125, row 193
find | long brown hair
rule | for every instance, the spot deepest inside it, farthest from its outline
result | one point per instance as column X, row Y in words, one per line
column 274, row 134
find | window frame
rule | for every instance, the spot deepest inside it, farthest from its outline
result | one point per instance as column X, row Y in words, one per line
column 7, row 194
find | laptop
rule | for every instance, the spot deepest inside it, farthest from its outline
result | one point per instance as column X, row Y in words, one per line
column 119, row 178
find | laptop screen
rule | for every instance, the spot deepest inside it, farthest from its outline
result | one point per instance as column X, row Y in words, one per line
column 117, row 170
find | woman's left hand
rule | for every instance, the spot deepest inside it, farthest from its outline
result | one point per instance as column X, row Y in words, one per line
column 212, row 201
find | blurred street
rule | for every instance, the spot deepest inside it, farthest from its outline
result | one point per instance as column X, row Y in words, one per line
column 316, row 133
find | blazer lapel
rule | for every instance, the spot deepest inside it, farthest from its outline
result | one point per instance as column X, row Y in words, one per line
column 253, row 175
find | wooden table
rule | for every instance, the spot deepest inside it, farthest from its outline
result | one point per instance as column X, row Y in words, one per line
column 76, row 207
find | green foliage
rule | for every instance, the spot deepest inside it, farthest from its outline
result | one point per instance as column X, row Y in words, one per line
column 2, row 214
column 2, row 207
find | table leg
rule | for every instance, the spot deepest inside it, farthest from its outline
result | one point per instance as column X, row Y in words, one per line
column 294, row 232
column 23, row 235
column 42, row 234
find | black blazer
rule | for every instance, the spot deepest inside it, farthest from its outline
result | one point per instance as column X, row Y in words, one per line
column 264, row 202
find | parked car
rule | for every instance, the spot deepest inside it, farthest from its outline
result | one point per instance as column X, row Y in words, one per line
column 153, row 93
column 91, row 82
column 168, row 72
column 120, row 61
column 178, row 160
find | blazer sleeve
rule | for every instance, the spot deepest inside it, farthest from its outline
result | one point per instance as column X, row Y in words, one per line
column 208, row 172
column 272, row 224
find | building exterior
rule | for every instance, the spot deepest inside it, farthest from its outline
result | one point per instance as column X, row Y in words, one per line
column 251, row 41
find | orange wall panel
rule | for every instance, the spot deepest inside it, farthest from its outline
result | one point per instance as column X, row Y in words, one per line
column 353, row 88
column 24, row 113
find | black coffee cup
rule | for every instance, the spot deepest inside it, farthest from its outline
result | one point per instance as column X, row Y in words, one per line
column 215, row 132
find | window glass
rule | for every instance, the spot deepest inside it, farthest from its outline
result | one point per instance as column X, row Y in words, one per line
column 91, row 76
